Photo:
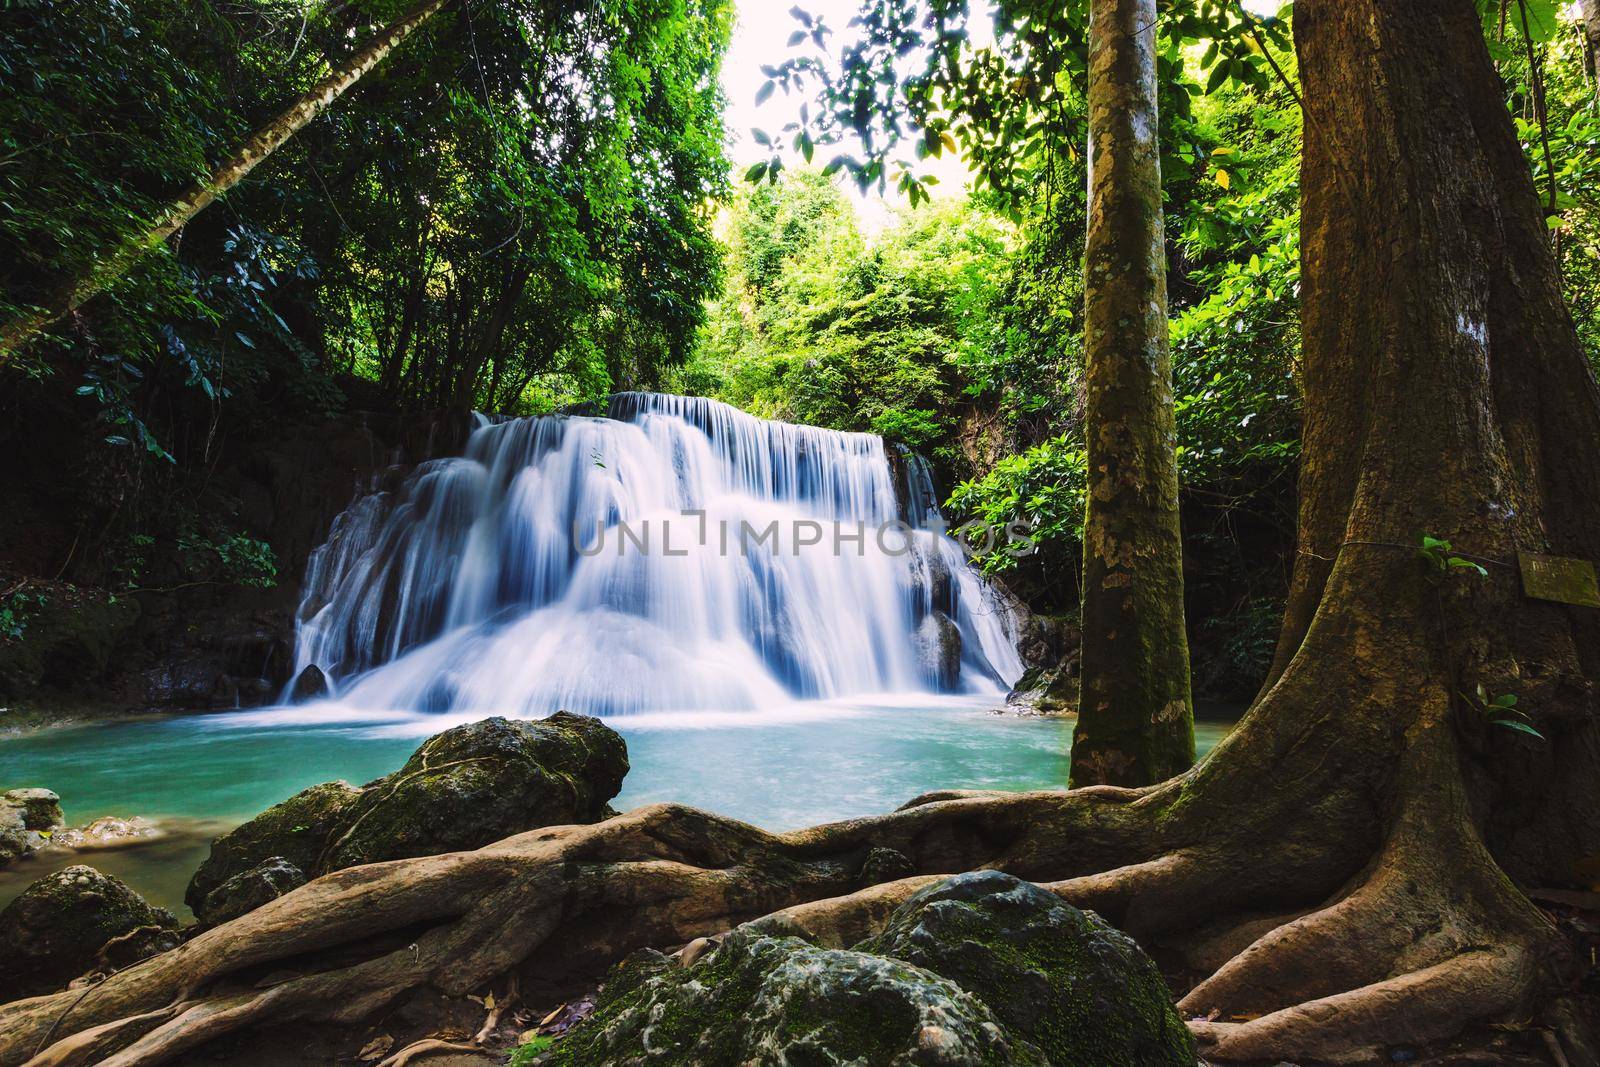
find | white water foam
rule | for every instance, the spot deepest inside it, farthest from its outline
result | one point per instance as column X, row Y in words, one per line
column 504, row 581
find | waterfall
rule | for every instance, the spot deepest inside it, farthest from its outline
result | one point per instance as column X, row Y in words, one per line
column 676, row 554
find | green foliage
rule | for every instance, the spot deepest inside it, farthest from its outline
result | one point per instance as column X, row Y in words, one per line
column 1039, row 491
column 1435, row 552
column 1501, row 711
column 531, row 1049
column 16, row 608
column 817, row 324
column 911, row 76
column 509, row 211
column 512, row 211
column 239, row 560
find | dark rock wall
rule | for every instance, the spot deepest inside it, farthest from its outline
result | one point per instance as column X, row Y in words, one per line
column 98, row 642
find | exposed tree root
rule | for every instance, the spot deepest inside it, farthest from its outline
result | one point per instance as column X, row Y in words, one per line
column 426, row 1047
column 1401, row 950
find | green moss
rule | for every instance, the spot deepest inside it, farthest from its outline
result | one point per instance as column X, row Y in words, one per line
column 1061, row 978
column 781, row 1000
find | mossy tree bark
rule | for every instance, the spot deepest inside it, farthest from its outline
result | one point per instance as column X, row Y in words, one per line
column 1135, row 718
column 1348, row 866
column 1591, row 35
column 17, row 333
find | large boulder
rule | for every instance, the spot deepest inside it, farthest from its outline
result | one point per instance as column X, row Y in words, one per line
column 978, row 969
column 296, row 831
column 1064, row 980
column 72, row 922
column 27, row 819
column 463, row 789
column 780, row 1000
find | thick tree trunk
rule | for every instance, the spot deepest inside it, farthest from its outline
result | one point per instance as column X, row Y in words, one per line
column 267, row 139
column 1348, row 866
column 1135, row 719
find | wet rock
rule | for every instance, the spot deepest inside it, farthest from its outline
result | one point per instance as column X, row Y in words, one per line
column 779, row 1000
column 250, row 889
column 63, row 925
column 1060, row 978
column 309, row 684
column 484, row 781
column 28, row 817
column 1046, row 691
column 1049, row 646
column 885, row 865
column 297, row 831
column 462, row 789
column 1047, row 640
column 939, row 649
column 108, row 831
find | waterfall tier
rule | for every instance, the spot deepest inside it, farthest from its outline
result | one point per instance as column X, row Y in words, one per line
column 675, row 555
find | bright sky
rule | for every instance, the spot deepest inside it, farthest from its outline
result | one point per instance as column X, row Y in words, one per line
column 761, row 37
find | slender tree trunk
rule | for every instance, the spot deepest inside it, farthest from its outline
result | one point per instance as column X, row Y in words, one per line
column 267, row 139
column 1135, row 720
column 1591, row 35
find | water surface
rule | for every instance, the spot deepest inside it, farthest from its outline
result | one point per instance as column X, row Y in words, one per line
column 817, row 762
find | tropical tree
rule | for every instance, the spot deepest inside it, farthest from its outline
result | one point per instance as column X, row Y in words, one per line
column 1135, row 715
column 306, row 106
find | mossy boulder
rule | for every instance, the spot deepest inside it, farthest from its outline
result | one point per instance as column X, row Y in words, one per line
column 982, row 968
column 462, row 789
column 781, row 1001
column 27, row 819
column 297, row 831
column 484, row 781
column 72, row 922
column 250, row 889
column 1063, row 979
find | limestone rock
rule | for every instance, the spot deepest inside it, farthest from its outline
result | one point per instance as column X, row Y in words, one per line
column 309, row 684
column 1049, row 646
column 462, row 789
column 108, row 831
column 27, row 819
column 779, row 1000
column 1062, row 979
column 60, row 926
column 248, row 890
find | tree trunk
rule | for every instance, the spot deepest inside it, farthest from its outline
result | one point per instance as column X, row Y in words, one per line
column 1135, row 719
column 1591, row 36
column 20, row 331
column 1347, row 867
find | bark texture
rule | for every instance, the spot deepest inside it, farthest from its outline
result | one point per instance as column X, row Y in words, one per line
column 1590, row 10
column 1347, row 868
column 230, row 172
column 1135, row 716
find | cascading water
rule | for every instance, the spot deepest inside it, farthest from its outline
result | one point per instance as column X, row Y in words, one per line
column 675, row 555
